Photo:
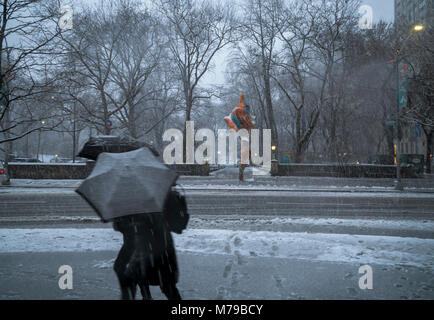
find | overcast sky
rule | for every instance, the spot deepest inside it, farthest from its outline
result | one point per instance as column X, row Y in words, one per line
column 382, row 10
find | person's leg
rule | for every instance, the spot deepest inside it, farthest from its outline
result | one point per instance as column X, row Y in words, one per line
column 170, row 290
column 241, row 172
column 146, row 293
column 128, row 286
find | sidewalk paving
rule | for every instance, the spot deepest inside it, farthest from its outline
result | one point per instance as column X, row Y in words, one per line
column 220, row 277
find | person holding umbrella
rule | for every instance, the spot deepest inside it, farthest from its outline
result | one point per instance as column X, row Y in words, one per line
column 134, row 191
column 147, row 256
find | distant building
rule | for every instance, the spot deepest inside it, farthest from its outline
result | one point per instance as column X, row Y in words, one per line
column 414, row 12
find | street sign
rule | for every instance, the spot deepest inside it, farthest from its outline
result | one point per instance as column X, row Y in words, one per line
column 403, row 85
column 108, row 124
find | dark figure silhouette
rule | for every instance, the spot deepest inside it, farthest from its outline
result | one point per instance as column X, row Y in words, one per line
column 147, row 256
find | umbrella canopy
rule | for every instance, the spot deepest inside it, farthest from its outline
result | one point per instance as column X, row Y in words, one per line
column 127, row 183
column 113, row 144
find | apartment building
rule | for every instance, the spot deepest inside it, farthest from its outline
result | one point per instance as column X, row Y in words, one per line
column 414, row 11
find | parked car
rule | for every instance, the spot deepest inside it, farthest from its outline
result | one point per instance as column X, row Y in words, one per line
column 415, row 160
column 2, row 173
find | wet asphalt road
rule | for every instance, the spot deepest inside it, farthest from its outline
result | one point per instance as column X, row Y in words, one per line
column 64, row 202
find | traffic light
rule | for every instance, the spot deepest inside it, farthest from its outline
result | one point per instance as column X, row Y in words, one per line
column 430, row 155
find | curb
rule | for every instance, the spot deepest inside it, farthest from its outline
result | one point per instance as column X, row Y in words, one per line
column 253, row 188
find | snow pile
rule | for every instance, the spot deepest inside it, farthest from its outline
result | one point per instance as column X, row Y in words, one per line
column 282, row 223
column 317, row 247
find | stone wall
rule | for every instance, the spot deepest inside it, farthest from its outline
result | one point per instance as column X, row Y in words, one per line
column 344, row 170
column 191, row 169
column 49, row 171
column 81, row 170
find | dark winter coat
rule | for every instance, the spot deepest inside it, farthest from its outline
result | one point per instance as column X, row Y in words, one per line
column 148, row 252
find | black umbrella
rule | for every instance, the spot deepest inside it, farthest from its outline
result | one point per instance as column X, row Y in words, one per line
column 127, row 183
column 112, row 144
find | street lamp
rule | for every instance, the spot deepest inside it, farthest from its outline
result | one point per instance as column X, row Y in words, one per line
column 273, row 148
column 398, row 185
column 39, row 151
column 418, row 27
column 74, row 138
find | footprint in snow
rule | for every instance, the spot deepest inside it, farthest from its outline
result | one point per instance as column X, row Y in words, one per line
column 349, row 275
column 227, row 269
column 240, row 258
column 278, row 281
column 237, row 241
column 352, row 291
column 227, row 248
column 235, row 279
column 221, row 293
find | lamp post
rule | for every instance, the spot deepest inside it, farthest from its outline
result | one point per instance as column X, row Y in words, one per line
column 273, row 153
column 398, row 183
column 74, row 132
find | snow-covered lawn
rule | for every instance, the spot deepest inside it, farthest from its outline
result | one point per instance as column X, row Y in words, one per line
column 361, row 249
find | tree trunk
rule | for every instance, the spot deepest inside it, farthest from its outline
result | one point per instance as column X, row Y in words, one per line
column 270, row 115
column 298, row 147
column 333, row 153
column 389, row 140
column 39, row 144
column 132, row 120
column 8, row 147
column 188, row 107
column 429, row 140
column 107, row 130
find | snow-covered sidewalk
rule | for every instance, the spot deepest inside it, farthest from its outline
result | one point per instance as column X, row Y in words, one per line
column 305, row 246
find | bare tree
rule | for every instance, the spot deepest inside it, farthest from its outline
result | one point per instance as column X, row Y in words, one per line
column 260, row 31
column 296, row 25
column 420, row 109
column 196, row 31
column 90, row 61
column 26, row 31
column 138, row 55
column 333, row 20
